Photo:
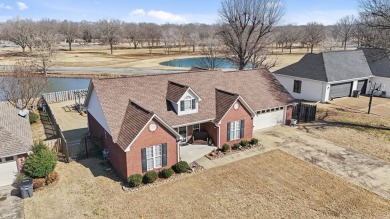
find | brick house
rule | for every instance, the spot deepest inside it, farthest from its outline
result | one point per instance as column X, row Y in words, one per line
column 144, row 119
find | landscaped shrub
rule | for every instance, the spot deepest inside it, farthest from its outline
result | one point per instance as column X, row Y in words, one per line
column 166, row 173
column 244, row 143
column 52, row 177
column 39, row 183
column 134, row 180
column 181, row 167
column 254, row 141
column 41, row 162
column 33, row 117
column 225, row 147
column 236, row 146
column 150, row 177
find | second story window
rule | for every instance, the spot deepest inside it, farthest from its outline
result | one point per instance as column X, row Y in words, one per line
column 187, row 104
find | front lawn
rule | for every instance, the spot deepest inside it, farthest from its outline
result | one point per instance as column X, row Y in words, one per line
column 270, row 185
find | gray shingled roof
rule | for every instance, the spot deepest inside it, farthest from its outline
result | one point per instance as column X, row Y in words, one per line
column 15, row 132
column 330, row 66
column 379, row 62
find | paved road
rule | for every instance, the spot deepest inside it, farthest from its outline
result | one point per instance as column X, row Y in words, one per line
column 99, row 70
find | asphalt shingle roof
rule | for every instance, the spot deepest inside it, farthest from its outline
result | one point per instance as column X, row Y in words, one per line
column 15, row 132
column 379, row 62
column 330, row 66
column 259, row 88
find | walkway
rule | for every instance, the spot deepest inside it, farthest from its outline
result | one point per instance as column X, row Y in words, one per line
column 191, row 152
column 11, row 205
column 368, row 172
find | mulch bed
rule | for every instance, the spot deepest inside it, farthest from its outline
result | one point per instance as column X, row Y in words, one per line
column 219, row 154
column 195, row 168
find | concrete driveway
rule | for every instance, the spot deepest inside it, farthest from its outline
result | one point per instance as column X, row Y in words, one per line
column 11, row 205
column 190, row 152
column 380, row 106
column 368, row 172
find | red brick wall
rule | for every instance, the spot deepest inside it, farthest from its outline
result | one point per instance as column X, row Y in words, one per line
column 212, row 130
column 148, row 138
column 289, row 114
column 20, row 161
column 233, row 115
column 116, row 155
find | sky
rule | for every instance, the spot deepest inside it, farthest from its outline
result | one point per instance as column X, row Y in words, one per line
column 166, row 11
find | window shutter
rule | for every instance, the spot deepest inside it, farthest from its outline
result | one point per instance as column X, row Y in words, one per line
column 182, row 105
column 242, row 128
column 164, row 155
column 228, row 131
column 143, row 158
column 193, row 103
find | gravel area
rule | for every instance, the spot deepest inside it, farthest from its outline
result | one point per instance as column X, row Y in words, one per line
column 369, row 134
column 269, row 185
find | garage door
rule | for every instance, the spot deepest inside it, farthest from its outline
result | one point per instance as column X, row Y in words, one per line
column 268, row 119
column 340, row 90
column 362, row 85
column 8, row 172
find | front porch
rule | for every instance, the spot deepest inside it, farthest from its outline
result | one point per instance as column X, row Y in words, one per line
column 199, row 134
column 192, row 152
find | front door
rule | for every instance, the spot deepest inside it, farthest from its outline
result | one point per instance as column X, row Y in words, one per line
column 183, row 132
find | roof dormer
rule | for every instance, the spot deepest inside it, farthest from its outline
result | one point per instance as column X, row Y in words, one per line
column 183, row 99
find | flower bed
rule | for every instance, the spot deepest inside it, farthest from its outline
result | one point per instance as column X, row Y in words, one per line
column 236, row 148
column 194, row 168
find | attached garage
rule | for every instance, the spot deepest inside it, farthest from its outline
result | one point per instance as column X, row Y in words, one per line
column 340, row 90
column 268, row 118
column 8, row 170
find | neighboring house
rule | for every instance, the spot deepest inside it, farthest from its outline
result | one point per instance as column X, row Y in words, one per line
column 143, row 119
column 16, row 142
column 329, row 75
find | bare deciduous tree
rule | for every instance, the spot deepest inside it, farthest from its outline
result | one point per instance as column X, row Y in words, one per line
column 212, row 54
column 375, row 17
column 314, row 33
column 293, row 34
column 244, row 23
column 70, row 30
column 344, row 29
column 19, row 31
column 22, row 86
column 46, row 44
column 110, row 31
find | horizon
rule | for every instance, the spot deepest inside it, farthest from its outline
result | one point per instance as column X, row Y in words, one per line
column 298, row 12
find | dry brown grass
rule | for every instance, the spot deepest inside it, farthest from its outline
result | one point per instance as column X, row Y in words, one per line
column 271, row 185
column 369, row 134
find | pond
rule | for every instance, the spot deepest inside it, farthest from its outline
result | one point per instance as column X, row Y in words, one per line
column 62, row 84
column 201, row 62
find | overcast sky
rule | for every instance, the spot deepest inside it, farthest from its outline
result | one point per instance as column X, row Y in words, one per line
column 163, row 11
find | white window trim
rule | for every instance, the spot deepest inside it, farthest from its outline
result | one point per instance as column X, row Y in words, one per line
column 154, row 157
column 234, row 131
column 195, row 125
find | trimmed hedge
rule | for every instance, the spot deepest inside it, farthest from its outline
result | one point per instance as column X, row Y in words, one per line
column 33, row 117
column 134, row 180
column 236, row 146
column 225, row 147
column 254, row 141
column 166, row 173
column 181, row 167
column 150, row 177
column 39, row 183
column 244, row 143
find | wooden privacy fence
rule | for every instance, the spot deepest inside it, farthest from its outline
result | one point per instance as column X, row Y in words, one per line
column 304, row 112
column 60, row 96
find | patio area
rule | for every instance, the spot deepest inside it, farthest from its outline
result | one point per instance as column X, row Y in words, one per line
column 192, row 152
